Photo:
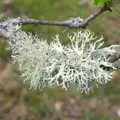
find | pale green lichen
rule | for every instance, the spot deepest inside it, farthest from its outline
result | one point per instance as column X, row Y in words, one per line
column 56, row 65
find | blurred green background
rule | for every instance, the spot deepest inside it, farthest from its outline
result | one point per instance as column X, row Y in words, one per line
column 19, row 103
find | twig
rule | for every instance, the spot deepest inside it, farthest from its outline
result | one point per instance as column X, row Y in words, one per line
column 72, row 22
column 96, row 14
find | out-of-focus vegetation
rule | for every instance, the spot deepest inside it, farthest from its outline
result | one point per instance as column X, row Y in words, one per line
column 18, row 103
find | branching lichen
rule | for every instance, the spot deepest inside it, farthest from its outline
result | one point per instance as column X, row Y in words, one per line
column 56, row 65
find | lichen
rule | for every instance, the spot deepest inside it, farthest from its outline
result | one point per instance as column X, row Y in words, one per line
column 57, row 65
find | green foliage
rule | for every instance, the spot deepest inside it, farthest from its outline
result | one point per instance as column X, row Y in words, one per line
column 102, row 2
column 3, row 52
column 3, row 17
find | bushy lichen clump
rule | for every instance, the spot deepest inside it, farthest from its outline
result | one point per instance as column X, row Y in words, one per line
column 55, row 65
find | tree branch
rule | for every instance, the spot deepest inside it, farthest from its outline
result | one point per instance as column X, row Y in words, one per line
column 72, row 22
column 5, row 29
